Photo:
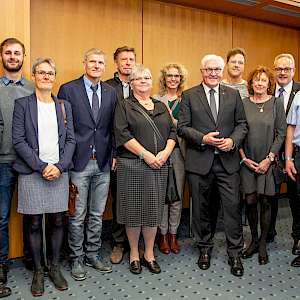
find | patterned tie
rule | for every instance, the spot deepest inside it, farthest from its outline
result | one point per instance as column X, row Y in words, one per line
column 280, row 96
column 213, row 106
column 95, row 101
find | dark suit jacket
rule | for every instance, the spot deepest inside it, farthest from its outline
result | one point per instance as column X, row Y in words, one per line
column 196, row 120
column 25, row 136
column 89, row 132
column 295, row 89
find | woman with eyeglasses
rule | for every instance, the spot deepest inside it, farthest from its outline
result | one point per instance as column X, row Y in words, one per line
column 171, row 85
column 142, row 170
column 235, row 70
column 44, row 141
column 267, row 128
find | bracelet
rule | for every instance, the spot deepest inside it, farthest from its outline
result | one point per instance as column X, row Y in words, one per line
column 141, row 155
column 243, row 160
column 289, row 158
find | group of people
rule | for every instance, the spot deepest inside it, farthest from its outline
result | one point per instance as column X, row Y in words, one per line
column 225, row 135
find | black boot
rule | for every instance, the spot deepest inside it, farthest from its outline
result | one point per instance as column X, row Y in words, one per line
column 252, row 216
column 57, row 278
column 37, row 286
column 265, row 220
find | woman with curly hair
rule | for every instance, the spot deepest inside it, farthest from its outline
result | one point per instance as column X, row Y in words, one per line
column 171, row 85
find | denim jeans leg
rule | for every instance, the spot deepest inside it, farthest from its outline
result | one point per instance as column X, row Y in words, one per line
column 7, row 183
column 76, row 222
column 97, row 201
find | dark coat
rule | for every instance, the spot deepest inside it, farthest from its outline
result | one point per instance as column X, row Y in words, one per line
column 88, row 132
column 25, row 136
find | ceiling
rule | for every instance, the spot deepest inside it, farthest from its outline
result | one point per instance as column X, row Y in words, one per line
column 281, row 12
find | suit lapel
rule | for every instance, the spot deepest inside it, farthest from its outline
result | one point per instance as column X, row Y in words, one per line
column 291, row 98
column 204, row 101
column 222, row 96
column 33, row 112
column 104, row 95
column 59, row 116
column 83, row 95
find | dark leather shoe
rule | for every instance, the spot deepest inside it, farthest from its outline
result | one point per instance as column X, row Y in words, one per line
column 175, row 248
column 296, row 247
column 271, row 236
column 152, row 266
column 204, row 261
column 237, row 268
column 57, row 278
column 250, row 250
column 296, row 262
column 4, row 291
column 163, row 244
column 135, row 267
column 263, row 260
column 37, row 285
column 3, row 274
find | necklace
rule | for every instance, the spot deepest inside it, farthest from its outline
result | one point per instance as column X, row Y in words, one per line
column 260, row 107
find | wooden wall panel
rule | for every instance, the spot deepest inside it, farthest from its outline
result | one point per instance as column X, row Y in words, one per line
column 66, row 33
column 173, row 33
column 15, row 22
column 263, row 42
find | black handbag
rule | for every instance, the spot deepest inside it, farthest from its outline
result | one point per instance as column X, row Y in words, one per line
column 172, row 192
column 278, row 172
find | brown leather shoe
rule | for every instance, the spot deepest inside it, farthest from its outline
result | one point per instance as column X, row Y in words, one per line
column 117, row 254
column 174, row 245
column 163, row 244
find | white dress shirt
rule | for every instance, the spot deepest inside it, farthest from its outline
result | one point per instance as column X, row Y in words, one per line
column 207, row 93
column 286, row 93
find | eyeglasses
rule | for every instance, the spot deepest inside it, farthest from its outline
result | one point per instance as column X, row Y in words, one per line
column 176, row 76
column 44, row 73
column 284, row 70
column 142, row 78
column 212, row 70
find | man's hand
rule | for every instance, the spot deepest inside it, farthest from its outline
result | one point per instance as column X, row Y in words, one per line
column 114, row 165
column 226, row 145
column 211, row 139
column 51, row 172
column 290, row 169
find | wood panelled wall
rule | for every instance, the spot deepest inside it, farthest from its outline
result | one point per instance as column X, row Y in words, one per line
column 160, row 32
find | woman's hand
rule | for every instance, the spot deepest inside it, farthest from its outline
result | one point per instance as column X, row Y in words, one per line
column 263, row 166
column 251, row 164
column 51, row 172
column 162, row 156
column 152, row 160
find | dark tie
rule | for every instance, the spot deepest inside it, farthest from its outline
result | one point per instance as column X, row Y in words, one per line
column 212, row 102
column 95, row 101
column 280, row 96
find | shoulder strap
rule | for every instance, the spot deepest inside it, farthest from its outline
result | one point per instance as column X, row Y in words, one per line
column 175, row 105
column 63, row 110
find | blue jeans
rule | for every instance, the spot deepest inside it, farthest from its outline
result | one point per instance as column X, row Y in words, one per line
column 93, row 188
column 8, row 179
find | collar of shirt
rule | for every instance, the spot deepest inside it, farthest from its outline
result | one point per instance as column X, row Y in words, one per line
column 87, row 84
column 216, row 89
column 8, row 81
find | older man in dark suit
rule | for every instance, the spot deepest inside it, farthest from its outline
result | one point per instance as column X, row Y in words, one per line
column 93, row 105
column 213, row 122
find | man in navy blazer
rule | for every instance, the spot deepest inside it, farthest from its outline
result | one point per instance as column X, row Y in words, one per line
column 93, row 105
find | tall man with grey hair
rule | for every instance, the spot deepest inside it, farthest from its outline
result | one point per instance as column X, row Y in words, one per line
column 93, row 104
column 213, row 122
column 285, row 91
column 12, row 86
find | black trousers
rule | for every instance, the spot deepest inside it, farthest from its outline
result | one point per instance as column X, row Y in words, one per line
column 203, row 213
column 118, row 230
column 294, row 198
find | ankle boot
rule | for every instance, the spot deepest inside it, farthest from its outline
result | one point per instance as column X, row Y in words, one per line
column 37, row 285
column 174, row 245
column 250, row 250
column 57, row 278
column 163, row 244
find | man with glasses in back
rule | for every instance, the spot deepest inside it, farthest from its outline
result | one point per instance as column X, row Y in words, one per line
column 213, row 122
column 285, row 91
column 12, row 86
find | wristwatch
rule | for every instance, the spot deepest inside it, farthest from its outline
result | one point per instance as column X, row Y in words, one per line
column 271, row 156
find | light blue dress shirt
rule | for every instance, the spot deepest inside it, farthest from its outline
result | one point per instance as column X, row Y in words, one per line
column 87, row 84
column 293, row 118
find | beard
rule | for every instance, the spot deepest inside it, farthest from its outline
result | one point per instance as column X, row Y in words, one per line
column 12, row 69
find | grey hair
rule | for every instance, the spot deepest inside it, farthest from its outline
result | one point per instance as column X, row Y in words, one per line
column 213, row 57
column 42, row 60
column 92, row 51
column 139, row 70
column 285, row 55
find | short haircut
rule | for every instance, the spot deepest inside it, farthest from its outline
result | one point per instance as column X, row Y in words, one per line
column 212, row 57
column 138, row 70
column 123, row 49
column 285, row 55
column 10, row 41
column 257, row 72
column 162, row 78
column 93, row 51
column 42, row 60
column 234, row 52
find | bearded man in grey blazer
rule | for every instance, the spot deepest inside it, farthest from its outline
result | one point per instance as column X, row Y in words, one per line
column 213, row 123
